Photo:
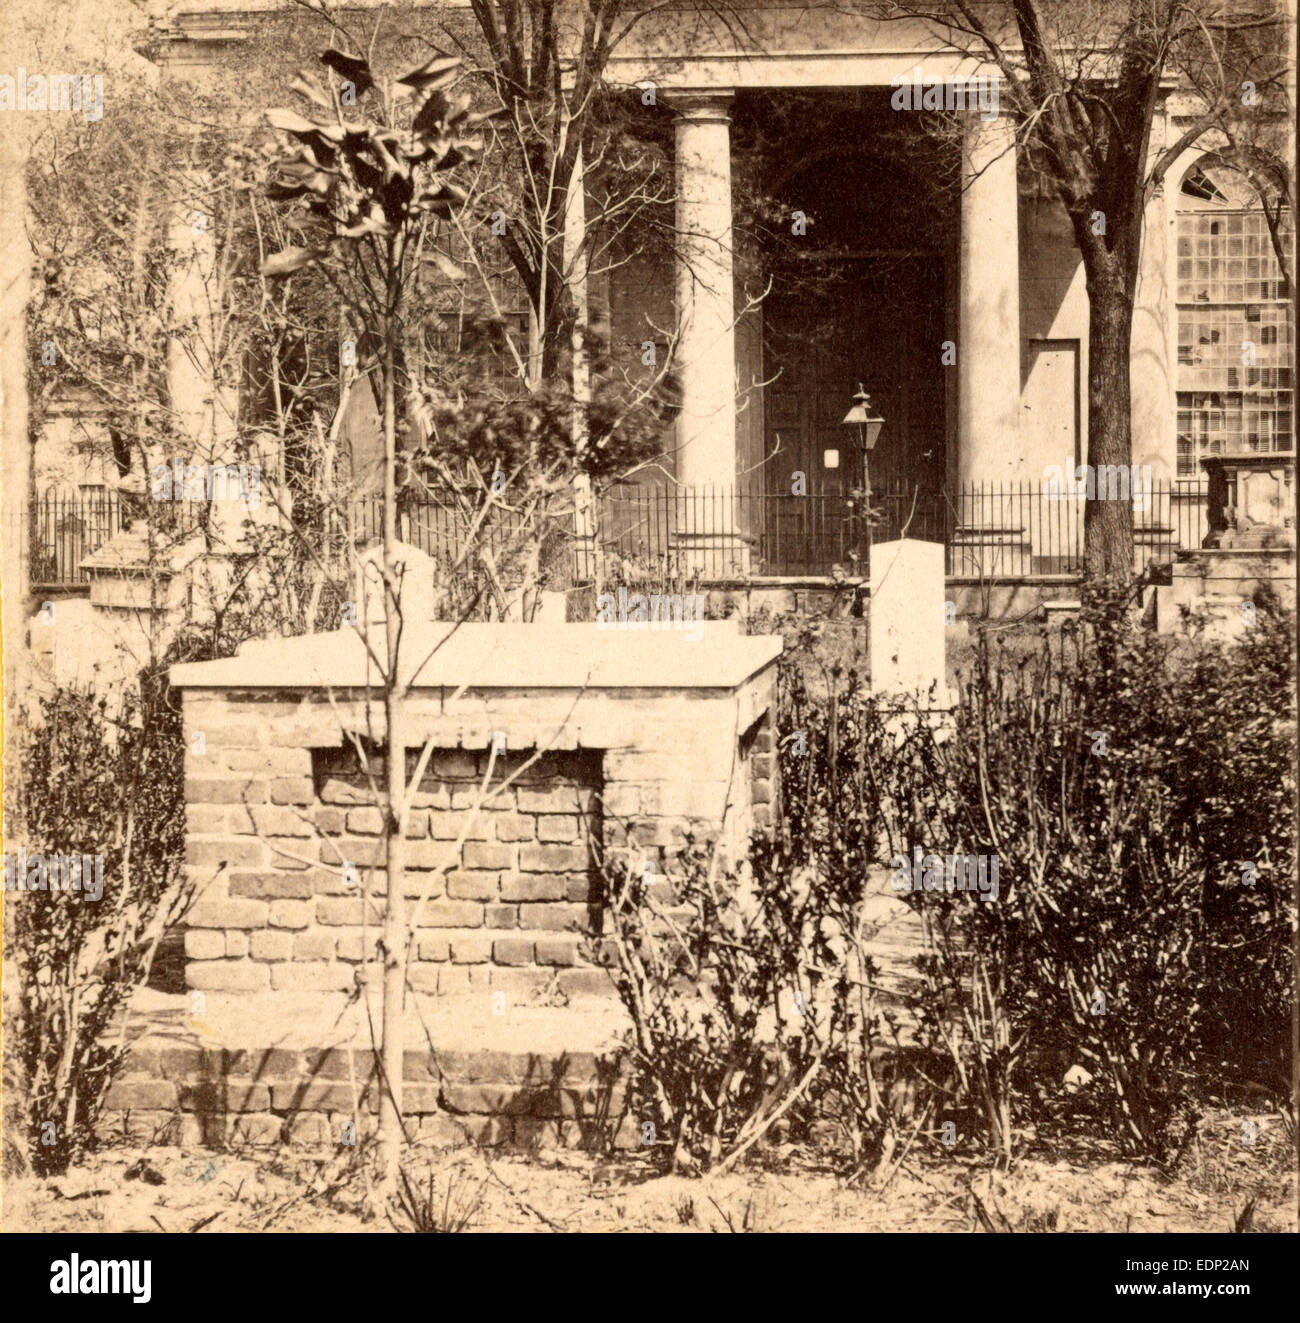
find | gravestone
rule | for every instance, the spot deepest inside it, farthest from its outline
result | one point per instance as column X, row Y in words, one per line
column 906, row 621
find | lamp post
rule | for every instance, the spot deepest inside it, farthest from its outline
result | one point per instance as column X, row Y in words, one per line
column 868, row 422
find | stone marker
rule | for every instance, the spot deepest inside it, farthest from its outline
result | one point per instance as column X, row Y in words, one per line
column 905, row 621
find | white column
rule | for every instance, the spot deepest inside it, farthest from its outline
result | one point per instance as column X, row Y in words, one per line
column 575, row 274
column 988, row 349
column 1152, row 357
column 706, row 332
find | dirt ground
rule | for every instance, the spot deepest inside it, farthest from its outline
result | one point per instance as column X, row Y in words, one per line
column 169, row 1189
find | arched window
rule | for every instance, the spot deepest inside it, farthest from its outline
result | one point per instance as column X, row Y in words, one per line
column 1234, row 321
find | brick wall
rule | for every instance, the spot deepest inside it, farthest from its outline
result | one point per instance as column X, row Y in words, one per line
column 194, row 1096
column 502, row 895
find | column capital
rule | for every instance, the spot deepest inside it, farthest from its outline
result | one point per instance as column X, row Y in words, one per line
column 713, row 107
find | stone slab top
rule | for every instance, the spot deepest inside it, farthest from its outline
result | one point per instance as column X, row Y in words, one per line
column 703, row 655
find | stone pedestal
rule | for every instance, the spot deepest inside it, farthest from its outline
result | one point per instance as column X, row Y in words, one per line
column 1251, row 501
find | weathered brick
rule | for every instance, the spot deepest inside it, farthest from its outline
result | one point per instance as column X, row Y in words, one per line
column 310, row 1130
column 557, row 950
column 340, row 1064
column 350, row 948
column 501, row 916
column 552, row 858
column 151, row 1095
column 269, row 944
column 520, row 983
column 241, row 852
column 278, row 762
column 313, row 945
column 429, row 947
column 557, row 827
column 471, row 948
column 205, row 943
column 363, row 851
column 302, row 1096
column 472, row 886
column 554, row 797
column 188, row 1063
column 290, row 913
column 586, row 983
column 558, row 916
column 365, row 821
column 272, row 1063
column 224, row 790
column 621, row 800
column 228, row 914
column 580, row 888
column 488, row 855
column 279, row 820
column 432, row 795
column 292, row 853
column 311, row 976
column 340, row 910
column 423, row 976
column 329, row 821
column 449, row 827
column 514, row 827
column 533, row 886
column 272, row 886
column 442, row 1130
column 488, row 1099
column 452, row 914
column 339, row 790
column 292, row 790
column 227, row 975
column 217, row 819
column 237, row 943
column 512, row 951
column 221, row 1096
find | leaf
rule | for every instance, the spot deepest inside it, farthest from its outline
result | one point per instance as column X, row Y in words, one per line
column 446, row 265
column 432, row 113
column 311, row 89
column 436, row 73
column 290, row 121
column 287, row 262
column 351, row 67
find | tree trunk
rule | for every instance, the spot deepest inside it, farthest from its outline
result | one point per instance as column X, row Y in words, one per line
column 1108, row 524
column 394, row 945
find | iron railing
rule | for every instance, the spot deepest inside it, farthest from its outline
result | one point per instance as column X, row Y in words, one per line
column 989, row 531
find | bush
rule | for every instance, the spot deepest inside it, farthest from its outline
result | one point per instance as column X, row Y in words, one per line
column 1123, row 783
column 97, row 783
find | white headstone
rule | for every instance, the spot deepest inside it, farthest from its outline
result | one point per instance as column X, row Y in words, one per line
column 417, row 595
column 906, row 621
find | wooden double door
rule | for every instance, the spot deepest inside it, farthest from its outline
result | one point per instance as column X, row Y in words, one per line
column 877, row 321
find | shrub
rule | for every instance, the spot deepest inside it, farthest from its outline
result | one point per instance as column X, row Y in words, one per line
column 97, row 783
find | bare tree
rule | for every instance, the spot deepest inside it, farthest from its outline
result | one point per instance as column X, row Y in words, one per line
column 1084, row 81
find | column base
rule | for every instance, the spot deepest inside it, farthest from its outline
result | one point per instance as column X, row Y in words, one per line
column 712, row 555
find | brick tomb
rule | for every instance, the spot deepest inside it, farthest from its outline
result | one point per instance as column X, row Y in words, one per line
column 598, row 741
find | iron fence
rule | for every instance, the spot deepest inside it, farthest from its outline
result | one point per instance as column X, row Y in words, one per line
column 988, row 531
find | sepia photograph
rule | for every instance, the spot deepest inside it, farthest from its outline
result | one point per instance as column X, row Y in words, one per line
column 648, row 616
